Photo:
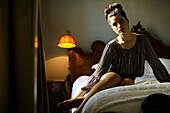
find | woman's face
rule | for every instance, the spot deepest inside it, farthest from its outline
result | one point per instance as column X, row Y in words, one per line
column 118, row 23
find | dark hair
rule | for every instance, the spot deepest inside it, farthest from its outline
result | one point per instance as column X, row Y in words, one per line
column 116, row 9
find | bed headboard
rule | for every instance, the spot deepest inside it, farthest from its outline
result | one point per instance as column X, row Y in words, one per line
column 80, row 62
column 160, row 49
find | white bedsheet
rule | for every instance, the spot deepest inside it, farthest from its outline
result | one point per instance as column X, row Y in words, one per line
column 122, row 99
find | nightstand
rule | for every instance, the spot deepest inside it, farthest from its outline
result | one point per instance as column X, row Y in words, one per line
column 56, row 93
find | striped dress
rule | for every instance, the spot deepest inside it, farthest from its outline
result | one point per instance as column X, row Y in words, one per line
column 128, row 63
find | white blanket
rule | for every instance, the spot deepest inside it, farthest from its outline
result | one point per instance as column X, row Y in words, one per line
column 121, row 99
column 124, row 99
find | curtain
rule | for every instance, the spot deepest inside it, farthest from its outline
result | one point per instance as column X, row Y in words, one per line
column 18, row 27
column 23, row 88
column 42, row 92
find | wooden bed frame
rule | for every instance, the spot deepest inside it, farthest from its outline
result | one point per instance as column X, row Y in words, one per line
column 80, row 62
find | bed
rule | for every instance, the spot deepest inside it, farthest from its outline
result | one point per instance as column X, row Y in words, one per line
column 146, row 96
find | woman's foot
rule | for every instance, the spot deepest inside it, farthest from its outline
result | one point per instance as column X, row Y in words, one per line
column 70, row 103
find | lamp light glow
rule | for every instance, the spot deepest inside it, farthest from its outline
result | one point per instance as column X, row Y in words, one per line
column 67, row 41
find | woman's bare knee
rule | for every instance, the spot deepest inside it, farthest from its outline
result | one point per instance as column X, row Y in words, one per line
column 111, row 78
column 126, row 81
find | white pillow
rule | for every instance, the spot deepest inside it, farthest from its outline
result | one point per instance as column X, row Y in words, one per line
column 94, row 66
column 166, row 63
column 147, row 69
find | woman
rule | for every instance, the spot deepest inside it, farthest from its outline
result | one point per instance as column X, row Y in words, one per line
column 122, row 60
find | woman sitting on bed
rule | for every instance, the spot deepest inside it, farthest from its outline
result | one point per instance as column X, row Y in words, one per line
column 121, row 62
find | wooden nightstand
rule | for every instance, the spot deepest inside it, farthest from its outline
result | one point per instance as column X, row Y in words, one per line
column 56, row 93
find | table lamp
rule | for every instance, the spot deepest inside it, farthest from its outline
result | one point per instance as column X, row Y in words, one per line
column 66, row 41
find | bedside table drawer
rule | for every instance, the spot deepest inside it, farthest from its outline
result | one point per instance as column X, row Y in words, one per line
column 56, row 85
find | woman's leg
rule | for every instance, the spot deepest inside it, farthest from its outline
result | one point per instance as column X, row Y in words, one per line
column 71, row 103
column 82, row 93
column 108, row 80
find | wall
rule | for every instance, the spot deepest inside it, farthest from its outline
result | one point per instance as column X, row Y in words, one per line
column 86, row 23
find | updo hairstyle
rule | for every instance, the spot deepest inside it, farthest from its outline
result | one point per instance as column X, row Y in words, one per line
column 115, row 8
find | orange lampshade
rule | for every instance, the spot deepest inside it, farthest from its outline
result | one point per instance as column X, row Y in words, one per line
column 67, row 41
